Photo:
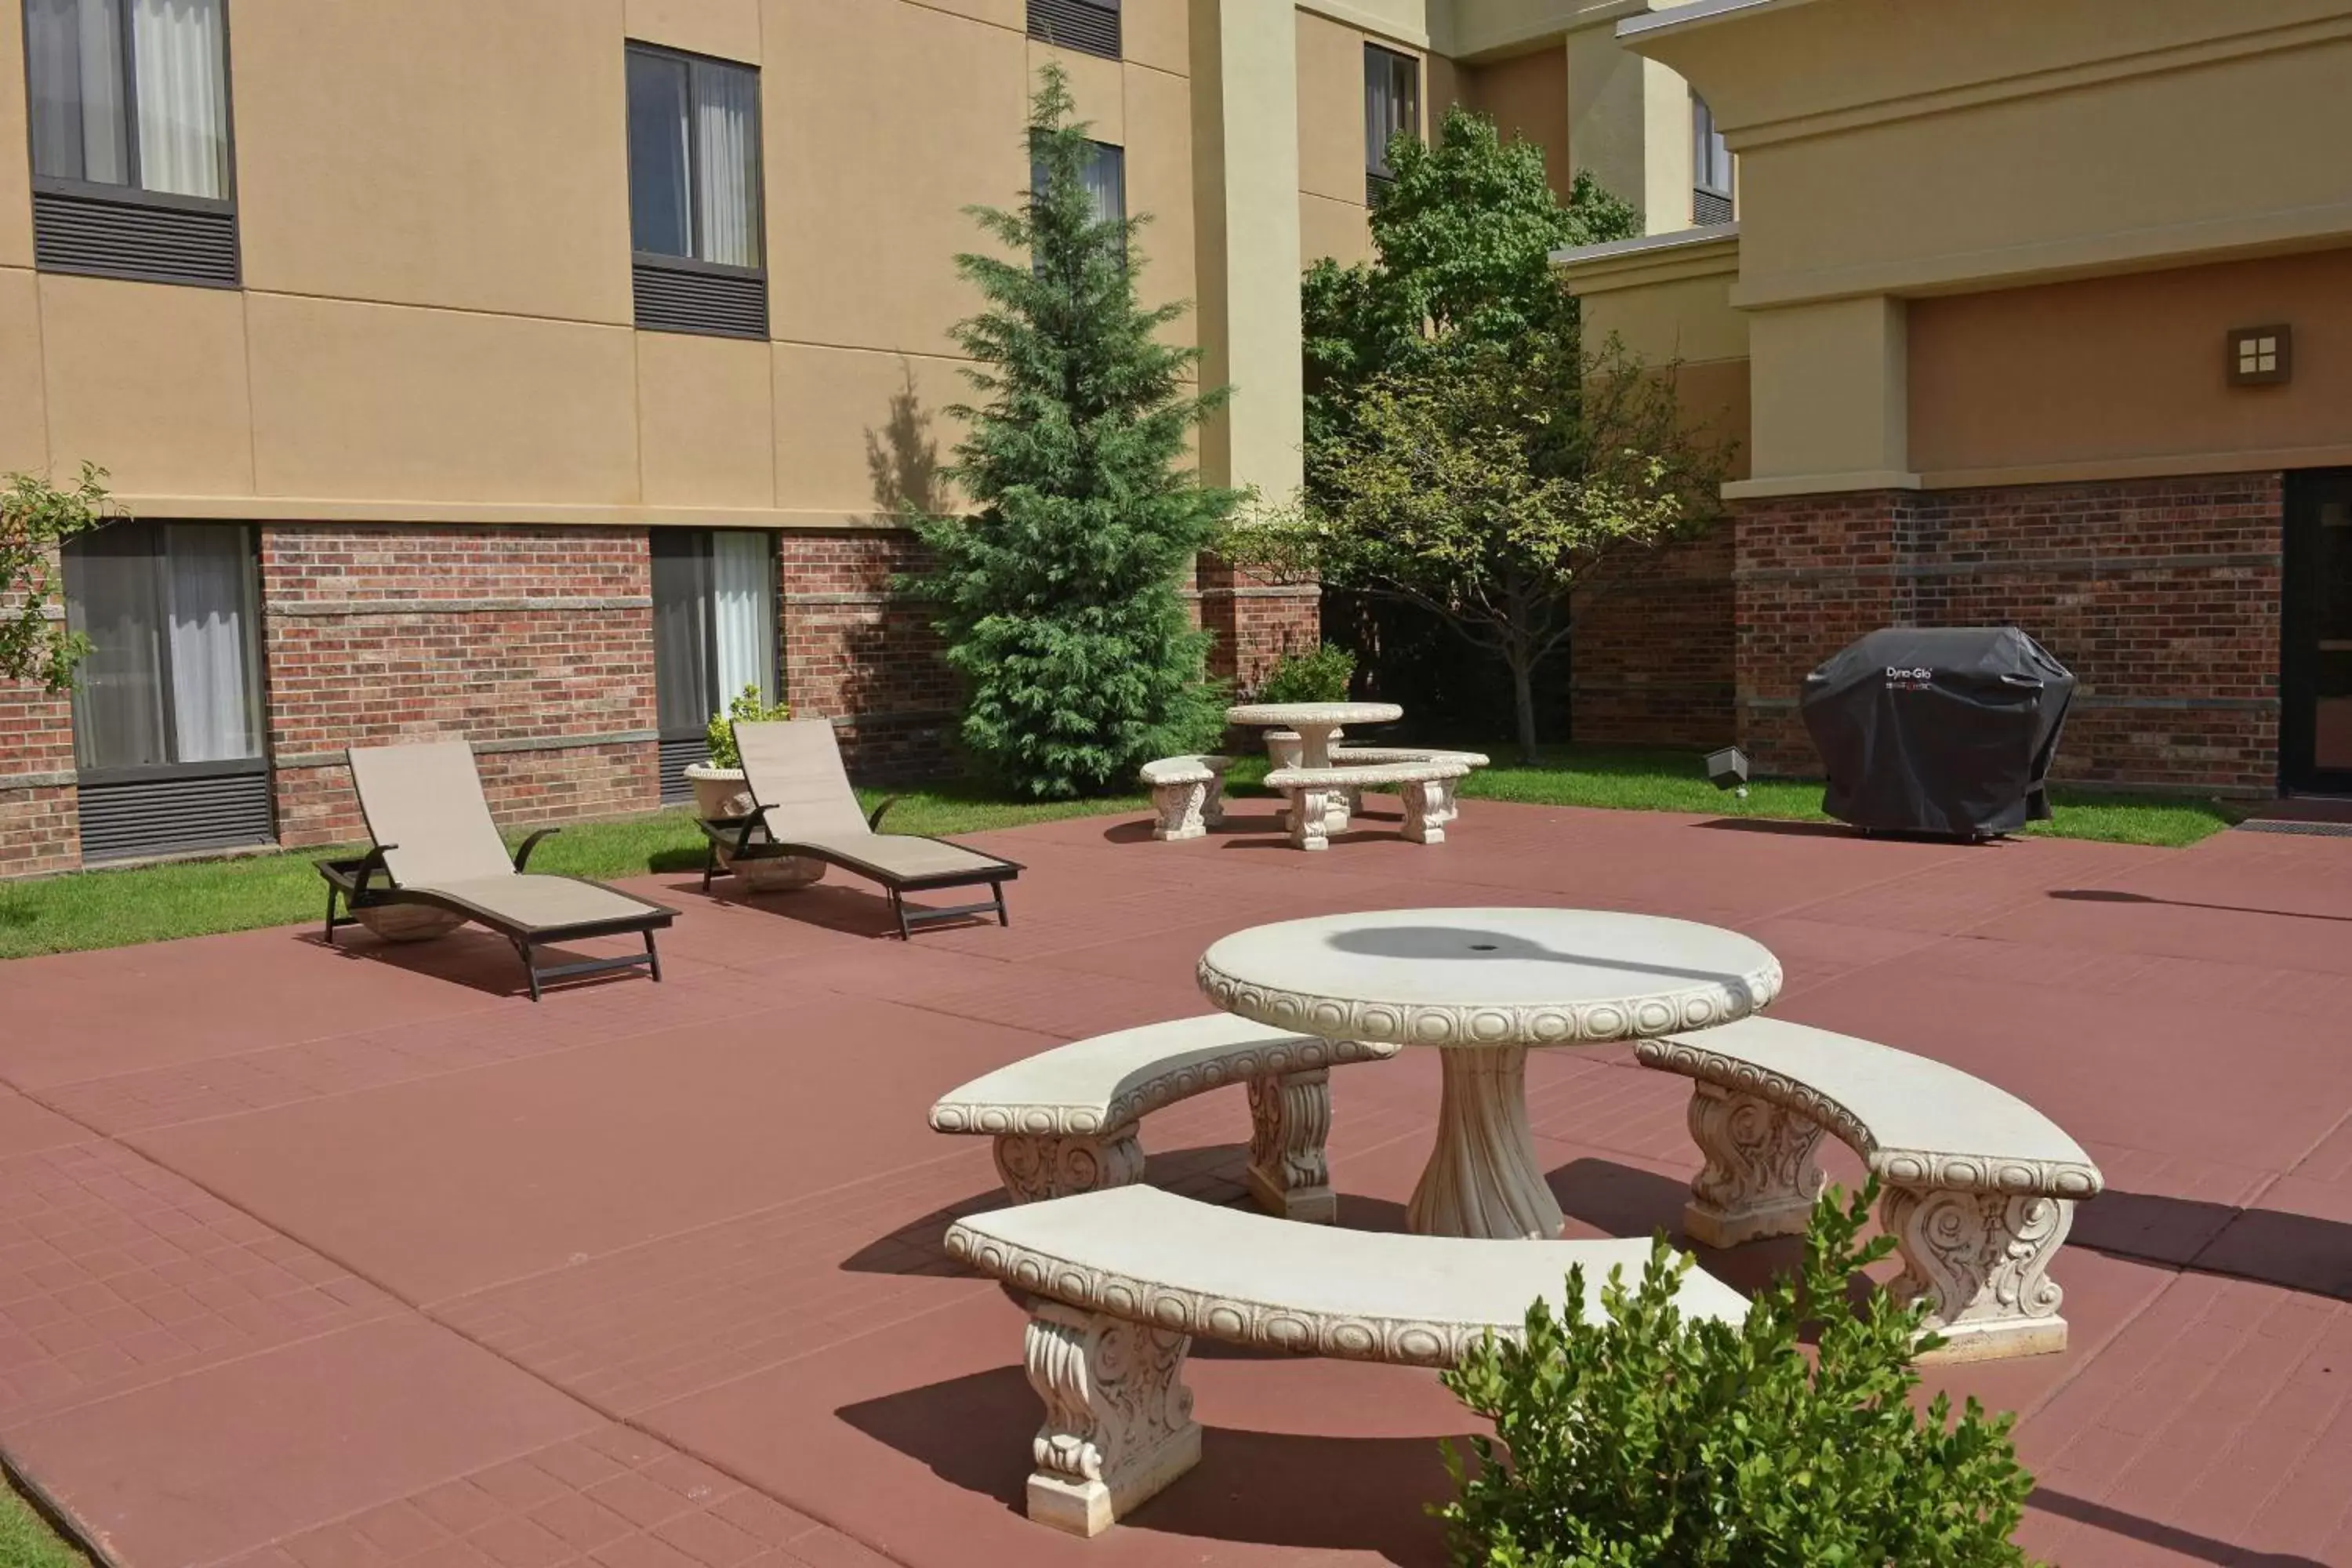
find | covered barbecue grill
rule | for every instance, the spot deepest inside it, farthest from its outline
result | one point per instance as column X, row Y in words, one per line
column 1942, row 730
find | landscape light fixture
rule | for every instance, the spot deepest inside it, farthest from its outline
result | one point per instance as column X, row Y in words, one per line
column 1727, row 769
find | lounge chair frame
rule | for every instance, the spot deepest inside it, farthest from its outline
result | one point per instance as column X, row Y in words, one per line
column 353, row 884
column 736, row 836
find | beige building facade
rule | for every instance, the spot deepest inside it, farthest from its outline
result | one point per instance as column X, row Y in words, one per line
column 549, row 370
column 2035, row 311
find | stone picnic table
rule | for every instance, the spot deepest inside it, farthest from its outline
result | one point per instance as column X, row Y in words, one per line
column 1315, row 722
column 1484, row 986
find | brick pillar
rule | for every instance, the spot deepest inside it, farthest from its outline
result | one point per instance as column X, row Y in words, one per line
column 40, row 830
column 40, row 826
column 535, row 644
column 865, row 656
column 1252, row 621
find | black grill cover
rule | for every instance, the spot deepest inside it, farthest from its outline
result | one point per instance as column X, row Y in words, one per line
column 1946, row 729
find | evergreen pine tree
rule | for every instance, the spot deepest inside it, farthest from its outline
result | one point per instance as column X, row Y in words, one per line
column 1058, row 593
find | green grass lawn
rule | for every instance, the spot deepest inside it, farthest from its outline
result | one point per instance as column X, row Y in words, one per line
column 114, row 909
column 28, row 1541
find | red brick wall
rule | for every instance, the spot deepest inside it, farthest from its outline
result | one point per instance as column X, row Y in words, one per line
column 2162, row 596
column 39, row 829
column 1651, row 659
column 505, row 635
column 1253, row 622
column 857, row 651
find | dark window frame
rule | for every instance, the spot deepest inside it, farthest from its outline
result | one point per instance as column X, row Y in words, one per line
column 1711, row 200
column 704, row 549
column 692, row 269
column 257, row 662
column 130, row 192
column 1378, row 177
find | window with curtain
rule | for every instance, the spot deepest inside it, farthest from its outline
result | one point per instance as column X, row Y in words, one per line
column 695, row 210
column 174, row 676
column 1391, row 108
column 715, row 633
column 128, row 112
column 1105, row 176
column 1710, row 167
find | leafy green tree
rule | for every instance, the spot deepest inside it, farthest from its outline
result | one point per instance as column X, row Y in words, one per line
column 1058, row 593
column 37, row 518
column 1642, row 1440
column 1460, row 257
column 1485, row 484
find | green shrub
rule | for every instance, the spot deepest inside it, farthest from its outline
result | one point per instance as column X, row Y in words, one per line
column 1321, row 676
column 748, row 706
column 1644, row 1441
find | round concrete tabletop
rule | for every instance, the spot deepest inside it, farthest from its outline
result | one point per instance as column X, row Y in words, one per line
column 1293, row 715
column 1489, row 977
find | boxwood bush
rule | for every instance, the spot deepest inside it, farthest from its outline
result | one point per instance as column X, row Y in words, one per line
column 1643, row 1440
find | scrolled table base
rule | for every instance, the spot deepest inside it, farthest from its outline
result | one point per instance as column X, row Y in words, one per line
column 1482, row 1178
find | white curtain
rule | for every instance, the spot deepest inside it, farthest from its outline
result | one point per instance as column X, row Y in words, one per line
column 727, row 154
column 742, row 612
column 182, row 96
column 1105, row 181
column 210, row 633
column 74, row 53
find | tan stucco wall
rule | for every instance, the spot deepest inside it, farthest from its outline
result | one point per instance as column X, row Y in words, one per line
column 1910, row 167
column 1914, row 146
column 1526, row 96
column 2130, row 369
column 433, row 216
column 1668, row 303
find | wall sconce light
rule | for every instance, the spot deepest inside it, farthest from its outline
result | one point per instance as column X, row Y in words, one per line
column 2261, row 356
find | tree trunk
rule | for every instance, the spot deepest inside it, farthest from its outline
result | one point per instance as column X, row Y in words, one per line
column 1523, row 701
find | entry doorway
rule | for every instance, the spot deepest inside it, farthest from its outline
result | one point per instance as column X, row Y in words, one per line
column 2316, row 635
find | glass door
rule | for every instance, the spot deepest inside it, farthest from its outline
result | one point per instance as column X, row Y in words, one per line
column 715, row 629
column 2316, row 674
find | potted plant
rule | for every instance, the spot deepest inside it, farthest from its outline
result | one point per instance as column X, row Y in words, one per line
column 718, row 792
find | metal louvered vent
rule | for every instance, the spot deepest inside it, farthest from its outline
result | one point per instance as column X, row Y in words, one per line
column 1377, row 188
column 127, row 817
column 1090, row 26
column 677, row 756
column 684, row 298
column 1710, row 207
column 73, row 233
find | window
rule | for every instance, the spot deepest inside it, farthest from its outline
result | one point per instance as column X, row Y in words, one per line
column 1710, row 167
column 167, row 710
column 1391, row 109
column 1105, row 175
column 715, row 626
column 128, row 117
column 1088, row 25
column 694, row 195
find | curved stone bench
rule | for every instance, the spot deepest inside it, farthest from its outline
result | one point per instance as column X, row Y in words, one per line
column 1117, row 1284
column 1188, row 793
column 1979, row 1187
column 1425, row 786
column 1445, row 809
column 1064, row 1120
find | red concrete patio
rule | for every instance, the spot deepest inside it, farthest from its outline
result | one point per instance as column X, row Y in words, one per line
column 350, row 1259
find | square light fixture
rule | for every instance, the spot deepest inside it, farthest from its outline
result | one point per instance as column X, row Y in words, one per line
column 2261, row 356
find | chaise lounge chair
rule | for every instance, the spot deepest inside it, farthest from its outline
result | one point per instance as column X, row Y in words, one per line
column 437, row 849
column 802, row 806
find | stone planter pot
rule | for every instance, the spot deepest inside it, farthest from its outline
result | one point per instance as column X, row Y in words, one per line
column 719, row 792
column 408, row 923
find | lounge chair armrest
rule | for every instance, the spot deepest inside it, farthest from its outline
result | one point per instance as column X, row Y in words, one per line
column 523, row 853
column 370, row 867
column 752, row 819
column 874, row 818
